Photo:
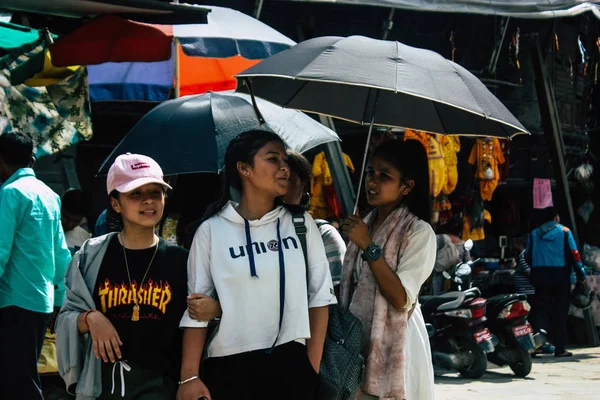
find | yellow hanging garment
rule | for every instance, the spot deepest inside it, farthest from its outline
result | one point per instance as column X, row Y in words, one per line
column 322, row 181
column 451, row 148
column 475, row 233
column 486, row 155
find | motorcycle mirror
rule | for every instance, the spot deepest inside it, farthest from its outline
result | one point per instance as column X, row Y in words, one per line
column 464, row 270
column 446, row 275
column 468, row 245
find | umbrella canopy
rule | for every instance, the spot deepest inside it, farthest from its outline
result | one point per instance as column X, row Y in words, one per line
column 387, row 83
column 134, row 61
column 191, row 134
column 110, row 38
column 155, row 81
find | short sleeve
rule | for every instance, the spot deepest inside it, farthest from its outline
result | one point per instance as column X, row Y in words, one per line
column 199, row 275
column 335, row 250
column 320, row 285
column 416, row 263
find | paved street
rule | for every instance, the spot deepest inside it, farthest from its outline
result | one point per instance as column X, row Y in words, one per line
column 551, row 378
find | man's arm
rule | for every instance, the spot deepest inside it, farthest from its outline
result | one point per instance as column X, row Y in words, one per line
column 578, row 265
column 62, row 258
column 8, row 225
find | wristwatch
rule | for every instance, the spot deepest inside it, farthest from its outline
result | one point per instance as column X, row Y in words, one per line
column 372, row 253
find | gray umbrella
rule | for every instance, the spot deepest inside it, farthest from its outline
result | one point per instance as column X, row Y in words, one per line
column 379, row 82
column 191, row 133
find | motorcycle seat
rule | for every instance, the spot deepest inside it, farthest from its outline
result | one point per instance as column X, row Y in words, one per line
column 502, row 299
column 497, row 303
column 430, row 303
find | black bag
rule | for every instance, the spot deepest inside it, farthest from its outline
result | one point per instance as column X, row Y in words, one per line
column 342, row 365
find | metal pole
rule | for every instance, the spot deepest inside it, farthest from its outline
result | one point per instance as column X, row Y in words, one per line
column 337, row 165
column 177, row 74
column 389, row 24
column 258, row 8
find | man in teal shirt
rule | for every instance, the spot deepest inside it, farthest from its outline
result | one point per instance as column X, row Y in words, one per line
column 33, row 260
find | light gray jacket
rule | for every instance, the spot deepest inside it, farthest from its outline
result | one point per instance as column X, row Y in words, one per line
column 77, row 364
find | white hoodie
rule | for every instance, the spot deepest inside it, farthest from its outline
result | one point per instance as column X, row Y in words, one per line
column 219, row 263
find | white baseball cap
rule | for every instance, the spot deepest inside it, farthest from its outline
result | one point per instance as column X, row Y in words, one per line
column 130, row 171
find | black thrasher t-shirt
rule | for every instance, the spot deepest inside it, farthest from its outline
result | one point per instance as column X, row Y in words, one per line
column 155, row 340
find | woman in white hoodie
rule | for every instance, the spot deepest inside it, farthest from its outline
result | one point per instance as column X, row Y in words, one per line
column 269, row 342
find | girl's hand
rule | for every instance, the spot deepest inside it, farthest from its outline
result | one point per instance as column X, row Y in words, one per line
column 193, row 390
column 355, row 229
column 203, row 308
column 105, row 339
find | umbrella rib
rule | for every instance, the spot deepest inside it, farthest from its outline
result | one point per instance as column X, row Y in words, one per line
column 304, row 83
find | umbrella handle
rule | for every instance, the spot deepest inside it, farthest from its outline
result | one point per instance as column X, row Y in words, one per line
column 261, row 120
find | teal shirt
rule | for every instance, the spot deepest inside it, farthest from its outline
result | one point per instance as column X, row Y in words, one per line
column 33, row 251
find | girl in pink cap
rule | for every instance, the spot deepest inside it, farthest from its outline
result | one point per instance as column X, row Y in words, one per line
column 117, row 333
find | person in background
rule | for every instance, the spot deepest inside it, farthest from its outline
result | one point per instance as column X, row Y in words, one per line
column 299, row 193
column 522, row 281
column 447, row 256
column 391, row 255
column 184, row 206
column 74, row 204
column 108, row 221
column 117, row 334
column 552, row 254
column 33, row 260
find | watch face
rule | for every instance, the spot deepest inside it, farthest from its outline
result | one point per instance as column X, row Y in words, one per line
column 374, row 252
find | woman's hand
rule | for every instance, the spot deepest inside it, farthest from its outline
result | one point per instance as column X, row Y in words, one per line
column 203, row 308
column 105, row 339
column 355, row 229
column 193, row 390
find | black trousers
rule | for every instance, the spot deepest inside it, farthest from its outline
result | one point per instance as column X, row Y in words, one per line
column 553, row 301
column 21, row 339
column 286, row 373
column 534, row 313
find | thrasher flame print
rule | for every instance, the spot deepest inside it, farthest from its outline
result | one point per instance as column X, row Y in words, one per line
column 153, row 294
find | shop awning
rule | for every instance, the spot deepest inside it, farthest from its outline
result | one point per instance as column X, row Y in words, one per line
column 538, row 9
column 151, row 11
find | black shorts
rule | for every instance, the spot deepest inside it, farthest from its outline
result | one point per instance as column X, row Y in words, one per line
column 284, row 373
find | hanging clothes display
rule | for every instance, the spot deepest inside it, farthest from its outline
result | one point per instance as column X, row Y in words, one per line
column 434, row 147
column 324, row 202
column 54, row 116
column 474, row 233
column 451, row 148
column 417, row 135
column 487, row 155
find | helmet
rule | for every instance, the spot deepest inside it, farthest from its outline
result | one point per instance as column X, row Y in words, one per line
column 581, row 297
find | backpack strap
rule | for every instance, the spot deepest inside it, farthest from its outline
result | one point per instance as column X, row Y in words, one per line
column 300, row 227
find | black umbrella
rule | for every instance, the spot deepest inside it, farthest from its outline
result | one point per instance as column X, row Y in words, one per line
column 191, row 133
column 379, row 82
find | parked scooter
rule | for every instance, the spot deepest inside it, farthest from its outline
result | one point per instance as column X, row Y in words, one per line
column 460, row 275
column 513, row 335
column 458, row 336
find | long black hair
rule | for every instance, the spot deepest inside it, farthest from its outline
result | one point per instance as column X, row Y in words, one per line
column 242, row 148
column 410, row 159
